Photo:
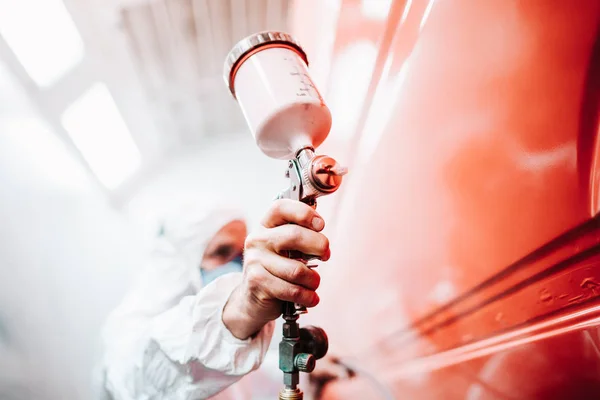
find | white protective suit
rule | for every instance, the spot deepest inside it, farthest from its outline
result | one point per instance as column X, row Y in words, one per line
column 167, row 340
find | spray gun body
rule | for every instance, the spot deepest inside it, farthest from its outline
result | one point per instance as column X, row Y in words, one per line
column 310, row 177
column 288, row 119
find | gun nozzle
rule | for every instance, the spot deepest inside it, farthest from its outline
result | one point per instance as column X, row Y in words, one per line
column 339, row 170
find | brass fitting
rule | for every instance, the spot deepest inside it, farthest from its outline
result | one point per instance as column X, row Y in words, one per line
column 291, row 394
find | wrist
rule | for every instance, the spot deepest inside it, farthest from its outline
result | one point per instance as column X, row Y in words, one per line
column 237, row 317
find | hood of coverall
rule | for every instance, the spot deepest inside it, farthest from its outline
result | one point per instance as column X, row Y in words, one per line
column 193, row 224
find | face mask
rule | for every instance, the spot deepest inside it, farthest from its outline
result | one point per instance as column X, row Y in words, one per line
column 235, row 265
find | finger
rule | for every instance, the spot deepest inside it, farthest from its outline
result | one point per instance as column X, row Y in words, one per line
column 294, row 237
column 287, row 211
column 291, row 271
column 285, row 291
column 290, row 237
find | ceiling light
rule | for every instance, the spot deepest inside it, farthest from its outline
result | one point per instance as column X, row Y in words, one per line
column 99, row 132
column 43, row 37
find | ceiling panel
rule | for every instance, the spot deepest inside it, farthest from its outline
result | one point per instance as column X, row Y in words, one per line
column 179, row 47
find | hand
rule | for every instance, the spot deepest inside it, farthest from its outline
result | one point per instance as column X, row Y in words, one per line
column 269, row 276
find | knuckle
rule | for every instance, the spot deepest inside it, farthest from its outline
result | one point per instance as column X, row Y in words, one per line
column 261, row 296
column 277, row 207
column 295, row 293
column 298, row 272
column 254, row 277
column 250, row 242
column 290, row 235
column 272, row 213
column 251, row 257
column 306, row 215
column 254, row 240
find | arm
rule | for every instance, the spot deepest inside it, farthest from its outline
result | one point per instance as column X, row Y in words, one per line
column 183, row 352
column 166, row 341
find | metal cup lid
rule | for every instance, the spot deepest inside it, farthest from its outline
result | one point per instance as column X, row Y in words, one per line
column 251, row 43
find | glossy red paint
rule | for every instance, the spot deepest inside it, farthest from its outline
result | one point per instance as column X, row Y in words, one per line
column 465, row 246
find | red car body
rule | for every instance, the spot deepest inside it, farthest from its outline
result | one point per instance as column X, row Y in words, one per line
column 465, row 240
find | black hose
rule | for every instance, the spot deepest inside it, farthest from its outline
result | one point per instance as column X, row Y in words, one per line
column 382, row 388
column 354, row 370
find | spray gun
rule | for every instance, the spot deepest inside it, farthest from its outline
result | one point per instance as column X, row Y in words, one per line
column 267, row 73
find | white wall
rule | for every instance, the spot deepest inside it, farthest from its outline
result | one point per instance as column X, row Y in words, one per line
column 231, row 166
column 65, row 257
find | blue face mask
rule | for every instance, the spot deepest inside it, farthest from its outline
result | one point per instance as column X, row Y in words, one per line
column 235, row 265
